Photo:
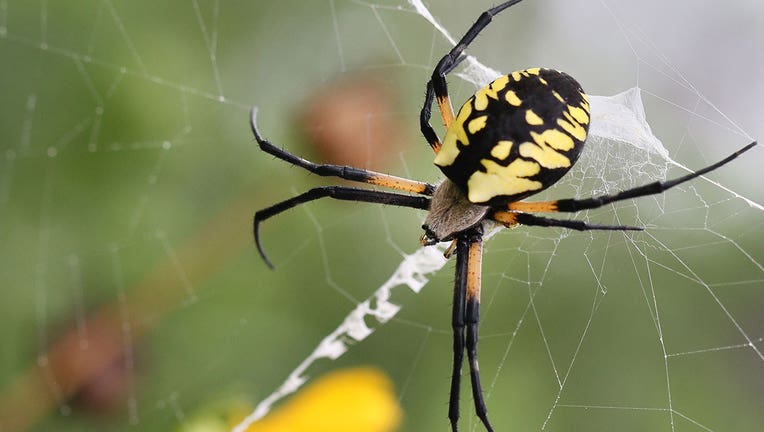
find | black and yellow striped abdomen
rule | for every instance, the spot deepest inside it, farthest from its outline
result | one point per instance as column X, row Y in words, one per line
column 516, row 136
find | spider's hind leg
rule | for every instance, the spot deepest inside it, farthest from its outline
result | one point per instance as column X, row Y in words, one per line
column 575, row 205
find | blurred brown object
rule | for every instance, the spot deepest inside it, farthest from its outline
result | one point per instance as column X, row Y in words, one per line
column 349, row 122
column 108, row 387
column 68, row 371
column 354, row 120
column 91, row 371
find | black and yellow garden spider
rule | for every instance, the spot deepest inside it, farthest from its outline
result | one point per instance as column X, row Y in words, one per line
column 512, row 139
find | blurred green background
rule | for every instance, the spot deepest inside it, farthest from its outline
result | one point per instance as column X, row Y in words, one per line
column 129, row 177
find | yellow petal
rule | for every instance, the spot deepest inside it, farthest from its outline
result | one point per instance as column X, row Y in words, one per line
column 351, row 400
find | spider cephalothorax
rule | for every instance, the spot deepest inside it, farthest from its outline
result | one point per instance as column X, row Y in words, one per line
column 450, row 214
column 512, row 139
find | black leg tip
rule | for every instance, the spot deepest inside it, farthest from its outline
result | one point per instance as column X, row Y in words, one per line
column 748, row 147
column 253, row 124
column 486, row 423
column 259, row 245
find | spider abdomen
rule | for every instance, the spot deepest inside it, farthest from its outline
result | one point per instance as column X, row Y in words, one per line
column 516, row 136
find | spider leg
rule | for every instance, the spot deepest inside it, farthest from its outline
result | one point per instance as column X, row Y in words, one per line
column 341, row 171
column 466, row 315
column 424, row 115
column 574, row 205
column 513, row 218
column 444, row 66
column 457, row 325
column 336, row 192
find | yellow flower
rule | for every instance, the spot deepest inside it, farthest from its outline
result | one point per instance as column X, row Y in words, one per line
column 351, row 400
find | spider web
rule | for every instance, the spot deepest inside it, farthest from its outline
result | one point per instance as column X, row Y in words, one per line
column 128, row 179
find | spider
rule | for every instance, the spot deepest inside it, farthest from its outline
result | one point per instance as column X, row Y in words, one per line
column 512, row 139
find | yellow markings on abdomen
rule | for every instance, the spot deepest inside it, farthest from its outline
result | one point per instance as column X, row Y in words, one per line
column 449, row 151
column 532, row 118
column 555, row 138
column 546, row 156
column 579, row 114
column 491, row 90
column 511, row 97
column 501, row 150
column 501, row 180
column 585, row 102
column 572, row 127
column 477, row 124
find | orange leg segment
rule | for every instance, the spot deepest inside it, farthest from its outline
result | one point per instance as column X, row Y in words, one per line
column 534, row 207
column 446, row 111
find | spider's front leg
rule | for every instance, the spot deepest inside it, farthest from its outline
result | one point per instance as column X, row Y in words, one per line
column 437, row 88
column 466, row 318
column 341, row 171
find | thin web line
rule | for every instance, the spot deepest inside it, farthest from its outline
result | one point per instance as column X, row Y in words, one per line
column 413, row 273
column 210, row 41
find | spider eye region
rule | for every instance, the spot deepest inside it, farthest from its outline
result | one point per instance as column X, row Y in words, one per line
column 516, row 136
